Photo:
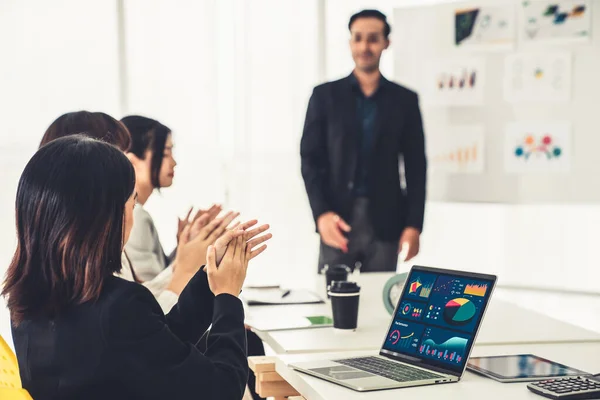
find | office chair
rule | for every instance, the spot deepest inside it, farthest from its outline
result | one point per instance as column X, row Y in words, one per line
column 10, row 380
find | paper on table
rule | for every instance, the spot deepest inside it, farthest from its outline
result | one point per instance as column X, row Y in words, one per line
column 289, row 323
column 275, row 296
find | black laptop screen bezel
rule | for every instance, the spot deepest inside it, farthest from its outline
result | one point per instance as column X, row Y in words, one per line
column 423, row 362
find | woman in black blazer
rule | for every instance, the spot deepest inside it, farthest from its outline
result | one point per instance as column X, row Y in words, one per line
column 82, row 333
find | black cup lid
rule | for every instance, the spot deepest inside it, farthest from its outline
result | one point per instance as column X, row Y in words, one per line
column 344, row 287
column 336, row 268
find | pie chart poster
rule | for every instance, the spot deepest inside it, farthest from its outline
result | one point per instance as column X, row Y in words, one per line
column 451, row 304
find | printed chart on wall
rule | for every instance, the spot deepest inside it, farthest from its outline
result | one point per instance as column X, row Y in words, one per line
column 485, row 28
column 538, row 147
column 544, row 77
column 460, row 150
column 551, row 21
column 454, row 82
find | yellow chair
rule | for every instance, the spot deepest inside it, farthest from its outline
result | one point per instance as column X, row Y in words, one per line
column 10, row 380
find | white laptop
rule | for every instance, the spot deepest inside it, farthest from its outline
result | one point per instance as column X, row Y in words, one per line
column 429, row 339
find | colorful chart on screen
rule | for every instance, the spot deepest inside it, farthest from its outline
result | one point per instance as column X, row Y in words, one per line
column 459, row 311
column 403, row 337
column 456, row 303
column 420, row 285
column 411, row 310
column 444, row 346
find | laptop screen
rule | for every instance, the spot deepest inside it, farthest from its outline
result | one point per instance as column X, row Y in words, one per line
column 438, row 316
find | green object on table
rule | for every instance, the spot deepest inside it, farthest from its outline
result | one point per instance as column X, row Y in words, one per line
column 392, row 290
column 320, row 320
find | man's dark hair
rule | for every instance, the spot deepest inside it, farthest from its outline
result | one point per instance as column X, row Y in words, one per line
column 387, row 29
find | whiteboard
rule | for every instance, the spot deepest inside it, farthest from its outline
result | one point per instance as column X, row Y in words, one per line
column 423, row 34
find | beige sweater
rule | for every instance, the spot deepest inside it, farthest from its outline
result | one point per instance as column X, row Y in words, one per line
column 148, row 259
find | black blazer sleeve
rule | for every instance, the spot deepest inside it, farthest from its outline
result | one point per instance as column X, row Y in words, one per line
column 313, row 154
column 193, row 313
column 415, row 164
column 150, row 360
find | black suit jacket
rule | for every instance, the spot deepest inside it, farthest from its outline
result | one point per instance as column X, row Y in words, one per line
column 329, row 151
column 123, row 347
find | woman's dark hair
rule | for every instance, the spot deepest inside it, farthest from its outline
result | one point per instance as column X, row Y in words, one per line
column 148, row 134
column 69, row 213
column 387, row 29
column 94, row 124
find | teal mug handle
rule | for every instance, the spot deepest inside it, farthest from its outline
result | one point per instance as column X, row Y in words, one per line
column 394, row 281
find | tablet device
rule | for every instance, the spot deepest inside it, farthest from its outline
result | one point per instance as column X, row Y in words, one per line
column 520, row 368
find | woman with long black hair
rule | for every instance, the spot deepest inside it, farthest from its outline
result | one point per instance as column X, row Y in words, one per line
column 79, row 331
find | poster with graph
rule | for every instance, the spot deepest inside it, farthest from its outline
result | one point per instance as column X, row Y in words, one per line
column 454, row 82
column 539, row 78
column 538, row 147
column 490, row 27
column 459, row 150
column 555, row 21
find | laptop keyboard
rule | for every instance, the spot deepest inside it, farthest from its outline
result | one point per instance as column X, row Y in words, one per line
column 388, row 369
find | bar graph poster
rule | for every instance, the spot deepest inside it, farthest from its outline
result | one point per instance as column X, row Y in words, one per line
column 454, row 82
column 538, row 147
column 552, row 21
column 543, row 77
column 485, row 28
column 460, row 150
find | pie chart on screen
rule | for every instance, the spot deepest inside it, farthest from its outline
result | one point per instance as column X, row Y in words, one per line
column 459, row 312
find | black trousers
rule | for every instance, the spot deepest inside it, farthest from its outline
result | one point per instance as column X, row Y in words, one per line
column 365, row 251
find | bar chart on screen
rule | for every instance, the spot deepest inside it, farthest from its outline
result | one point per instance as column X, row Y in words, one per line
column 443, row 345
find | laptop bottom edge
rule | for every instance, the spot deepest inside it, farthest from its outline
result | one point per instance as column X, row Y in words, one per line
column 358, row 380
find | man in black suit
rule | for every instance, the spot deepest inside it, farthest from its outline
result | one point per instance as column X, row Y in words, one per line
column 358, row 134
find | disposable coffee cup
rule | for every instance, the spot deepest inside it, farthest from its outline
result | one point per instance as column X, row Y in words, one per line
column 344, row 304
column 338, row 272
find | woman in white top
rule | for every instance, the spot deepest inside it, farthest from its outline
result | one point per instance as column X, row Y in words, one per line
column 151, row 153
column 168, row 284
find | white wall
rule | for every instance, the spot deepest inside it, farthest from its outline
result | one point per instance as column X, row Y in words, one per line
column 57, row 56
column 171, row 57
column 232, row 79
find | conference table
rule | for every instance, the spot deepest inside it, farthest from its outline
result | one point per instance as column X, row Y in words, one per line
column 506, row 329
column 583, row 356
column 504, row 323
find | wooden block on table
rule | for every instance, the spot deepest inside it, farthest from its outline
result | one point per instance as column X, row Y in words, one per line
column 261, row 364
column 275, row 389
column 269, row 377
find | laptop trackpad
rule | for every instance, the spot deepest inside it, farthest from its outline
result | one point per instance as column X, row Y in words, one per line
column 342, row 372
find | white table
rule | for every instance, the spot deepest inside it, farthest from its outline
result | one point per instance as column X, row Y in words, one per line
column 584, row 356
column 504, row 323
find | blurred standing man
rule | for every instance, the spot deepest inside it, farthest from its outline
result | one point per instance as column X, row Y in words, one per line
column 357, row 131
